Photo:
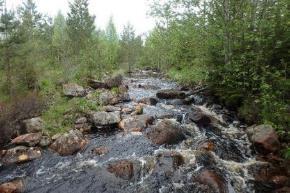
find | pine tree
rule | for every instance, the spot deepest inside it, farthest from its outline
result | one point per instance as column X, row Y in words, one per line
column 130, row 46
column 30, row 31
column 59, row 37
column 8, row 32
column 80, row 25
column 112, row 44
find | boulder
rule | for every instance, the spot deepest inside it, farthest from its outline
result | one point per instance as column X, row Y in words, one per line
column 138, row 110
column 96, row 84
column 216, row 182
column 166, row 131
column 81, row 120
column 55, row 137
column 111, row 108
column 105, row 118
column 73, row 90
column 149, row 101
column 69, row 143
column 136, row 123
column 189, row 100
column 20, row 154
column 30, row 139
column 285, row 189
column 82, row 125
column 108, row 98
column 168, row 162
column 34, row 125
column 101, row 150
column 170, row 94
column 174, row 158
column 123, row 169
column 45, row 141
column 127, row 110
column 280, row 181
column 264, row 138
column 204, row 158
column 124, row 97
column 15, row 186
column 201, row 118
column 114, row 81
column 207, row 146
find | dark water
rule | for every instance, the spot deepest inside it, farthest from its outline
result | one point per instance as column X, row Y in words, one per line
column 86, row 172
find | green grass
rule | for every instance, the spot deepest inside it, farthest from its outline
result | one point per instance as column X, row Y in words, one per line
column 61, row 115
column 188, row 75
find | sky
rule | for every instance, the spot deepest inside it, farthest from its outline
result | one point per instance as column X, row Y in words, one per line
column 123, row 11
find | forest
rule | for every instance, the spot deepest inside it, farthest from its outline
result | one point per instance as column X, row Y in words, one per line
column 239, row 49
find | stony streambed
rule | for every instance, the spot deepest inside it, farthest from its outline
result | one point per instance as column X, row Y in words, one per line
column 176, row 143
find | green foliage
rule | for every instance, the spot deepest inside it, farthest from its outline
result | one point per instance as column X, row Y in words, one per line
column 287, row 153
column 61, row 115
column 188, row 75
column 131, row 47
column 80, row 25
column 59, row 37
column 112, row 44
column 242, row 45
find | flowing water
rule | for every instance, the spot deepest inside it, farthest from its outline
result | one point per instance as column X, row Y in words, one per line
column 86, row 172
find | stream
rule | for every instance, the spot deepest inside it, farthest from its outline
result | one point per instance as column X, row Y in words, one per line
column 227, row 165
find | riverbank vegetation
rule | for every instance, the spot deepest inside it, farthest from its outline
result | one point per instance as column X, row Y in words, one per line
column 238, row 49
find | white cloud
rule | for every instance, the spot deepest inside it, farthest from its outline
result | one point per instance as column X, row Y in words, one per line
column 123, row 11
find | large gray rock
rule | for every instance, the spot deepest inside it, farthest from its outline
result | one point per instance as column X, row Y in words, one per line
column 82, row 125
column 166, row 131
column 69, row 143
column 111, row 108
column 109, row 98
column 45, row 141
column 33, row 125
column 96, row 84
column 73, row 90
column 30, row 139
column 105, row 118
column 136, row 123
column 19, row 154
column 264, row 138
column 114, row 81
column 149, row 101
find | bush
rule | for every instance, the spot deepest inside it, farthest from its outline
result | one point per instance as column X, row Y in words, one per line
column 12, row 114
